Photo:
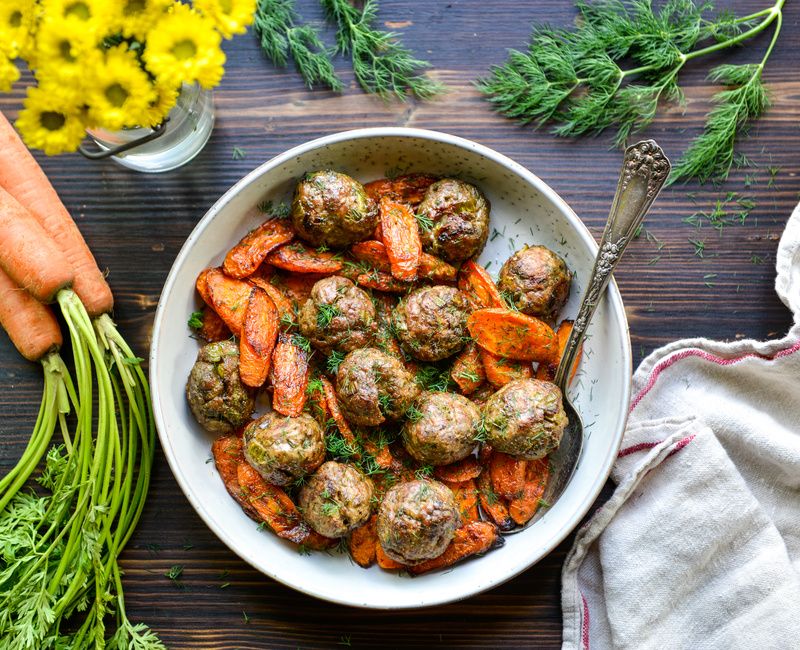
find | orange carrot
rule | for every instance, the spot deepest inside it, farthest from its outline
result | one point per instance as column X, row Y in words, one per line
column 244, row 258
column 471, row 539
column 228, row 455
column 373, row 253
column 536, row 477
column 31, row 326
column 297, row 286
column 299, row 258
column 492, row 504
column 383, row 282
column 332, row 403
column 401, row 238
column 212, row 327
column 467, row 370
column 479, row 287
column 462, row 470
column 27, row 253
column 466, row 493
column 363, row 543
column 21, row 176
column 228, row 298
column 384, row 561
column 499, row 370
column 433, row 268
column 547, row 371
column 508, row 475
column 289, row 378
column 513, row 334
column 258, row 335
column 284, row 305
column 408, row 188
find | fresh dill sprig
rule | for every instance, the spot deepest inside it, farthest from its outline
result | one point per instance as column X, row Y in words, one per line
column 623, row 58
column 280, row 36
column 196, row 320
column 382, row 65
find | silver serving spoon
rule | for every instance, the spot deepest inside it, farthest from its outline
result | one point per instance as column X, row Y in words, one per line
column 645, row 169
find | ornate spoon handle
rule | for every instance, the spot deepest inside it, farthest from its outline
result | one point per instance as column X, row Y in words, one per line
column 644, row 171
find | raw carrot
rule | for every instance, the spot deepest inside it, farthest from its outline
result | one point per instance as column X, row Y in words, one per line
column 289, row 378
column 299, row 258
column 244, row 258
column 21, row 176
column 401, row 238
column 27, row 253
column 513, row 334
column 471, row 539
column 479, row 287
column 31, row 326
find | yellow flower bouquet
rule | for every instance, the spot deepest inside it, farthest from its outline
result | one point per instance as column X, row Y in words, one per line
column 110, row 64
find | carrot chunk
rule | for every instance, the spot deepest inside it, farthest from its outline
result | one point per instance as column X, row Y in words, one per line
column 244, row 258
column 492, row 504
column 363, row 543
column 433, row 268
column 499, row 370
column 547, row 371
column 228, row 455
column 401, row 238
column 508, row 475
column 384, row 561
column 257, row 341
column 332, row 403
column 372, row 252
column 299, row 258
column 228, row 297
column 201, row 284
column 297, row 286
column 282, row 302
column 477, row 284
column 463, row 470
column 382, row 282
column 471, row 539
column 408, row 188
column 289, row 378
column 212, row 327
column 467, row 371
column 466, row 493
column 525, row 506
column 513, row 335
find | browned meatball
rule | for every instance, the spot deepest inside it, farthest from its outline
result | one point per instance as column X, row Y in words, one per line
column 336, row 499
column 219, row 401
column 332, row 209
column 417, row 520
column 338, row 316
column 525, row 418
column 283, row 448
column 537, row 280
column 373, row 387
column 431, row 322
column 442, row 428
column 460, row 217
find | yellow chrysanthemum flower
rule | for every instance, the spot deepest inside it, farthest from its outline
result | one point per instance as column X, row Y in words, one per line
column 229, row 16
column 16, row 26
column 91, row 16
column 133, row 18
column 118, row 91
column 185, row 47
column 64, row 52
column 8, row 73
column 166, row 96
column 51, row 120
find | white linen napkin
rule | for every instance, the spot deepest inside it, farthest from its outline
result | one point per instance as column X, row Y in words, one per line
column 699, row 547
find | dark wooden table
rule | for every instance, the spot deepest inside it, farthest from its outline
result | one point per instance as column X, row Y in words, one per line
column 136, row 223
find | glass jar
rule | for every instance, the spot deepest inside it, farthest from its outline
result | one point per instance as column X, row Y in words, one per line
column 186, row 132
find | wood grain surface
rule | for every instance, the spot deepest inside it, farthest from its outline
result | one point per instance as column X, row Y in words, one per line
column 136, row 224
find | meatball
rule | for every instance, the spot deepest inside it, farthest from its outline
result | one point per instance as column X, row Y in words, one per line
column 537, row 280
column 460, row 217
column 283, row 448
column 417, row 520
column 338, row 316
column 373, row 387
column 525, row 418
column 336, row 499
column 332, row 209
column 219, row 400
column 431, row 322
column 443, row 430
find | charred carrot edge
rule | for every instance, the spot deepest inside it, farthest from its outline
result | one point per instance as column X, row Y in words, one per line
column 212, row 328
column 227, row 296
column 383, row 282
column 492, row 504
column 508, row 475
column 471, row 539
column 282, row 302
column 259, row 334
column 363, row 543
column 434, row 268
column 408, row 188
column 297, row 286
column 244, row 259
column 467, row 371
column 289, row 378
column 499, row 371
column 463, row 470
column 478, row 286
column 547, row 371
column 228, row 455
column 513, row 334
column 333, row 406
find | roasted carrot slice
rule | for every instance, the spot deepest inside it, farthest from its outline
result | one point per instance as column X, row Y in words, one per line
column 408, row 188
column 471, row 539
column 283, row 304
column 244, row 258
column 547, row 371
column 289, row 378
column 479, row 287
column 382, row 455
column 299, row 258
column 332, row 403
column 201, row 284
column 273, row 505
column 384, row 561
column 463, row 470
column 508, row 475
column 382, row 282
column 467, row 370
column 401, row 238
column 433, row 268
column 228, row 455
column 492, row 504
column 259, row 333
column 466, row 493
column 363, row 543
column 513, row 335
column 499, row 370
column 525, row 506
column 318, row 404
column 212, row 327
column 372, row 252
column 297, row 286
column 229, row 298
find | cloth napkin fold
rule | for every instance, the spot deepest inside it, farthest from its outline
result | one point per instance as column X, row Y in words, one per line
column 699, row 547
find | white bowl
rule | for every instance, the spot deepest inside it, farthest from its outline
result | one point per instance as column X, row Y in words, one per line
column 524, row 211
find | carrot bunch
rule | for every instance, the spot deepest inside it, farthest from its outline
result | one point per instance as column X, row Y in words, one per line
column 59, row 568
